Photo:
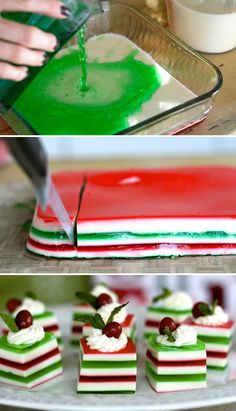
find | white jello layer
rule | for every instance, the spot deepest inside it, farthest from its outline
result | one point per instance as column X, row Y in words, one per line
column 36, row 382
column 177, row 370
column 178, row 355
column 175, row 386
column 217, row 362
column 107, row 386
column 29, row 356
column 214, row 331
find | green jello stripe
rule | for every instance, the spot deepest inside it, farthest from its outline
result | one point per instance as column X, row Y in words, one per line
column 74, row 342
column 162, row 310
column 32, row 377
column 187, row 348
column 215, row 340
column 46, row 314
column 109, row 364
column 61, row 235
column 174, row 378
column 215, row 368
column 23, row 348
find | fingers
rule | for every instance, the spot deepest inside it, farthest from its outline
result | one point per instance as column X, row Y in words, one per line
column 27, row 36
column 9, row 72
column 52, row 8
column 21, row 55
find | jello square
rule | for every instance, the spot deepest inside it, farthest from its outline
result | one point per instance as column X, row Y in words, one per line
column 107, row 372
column 128, row 326
column 27, row 366
column 170, row 368
column 218, row 340
column 190, row 211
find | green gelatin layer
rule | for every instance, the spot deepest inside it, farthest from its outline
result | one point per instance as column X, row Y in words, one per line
column 109, row 364
column 215, row 340
column 162, row 310
column 24, row 348
column 164, row 348
column 174, row 378
column 32, row 377
column 54, row 103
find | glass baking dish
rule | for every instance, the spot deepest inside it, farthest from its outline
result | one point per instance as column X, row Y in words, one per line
column 188, row 67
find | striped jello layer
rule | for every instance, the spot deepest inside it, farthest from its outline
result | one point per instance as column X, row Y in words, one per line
column 155, row 314
column 107, row 372
column 175, row 368
column 218, row 342
column 77, row 327
column 49, row 323
column 129, row 251
column 128, row 327
column 28, row 366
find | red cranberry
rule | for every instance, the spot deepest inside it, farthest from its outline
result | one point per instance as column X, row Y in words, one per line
column 196, row 311
column 13, row 304
column 167, row 322
column 23, row 319
column 112, row 329
column 103, row 299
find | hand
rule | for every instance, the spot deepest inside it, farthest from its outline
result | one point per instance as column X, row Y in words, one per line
column 25, row 45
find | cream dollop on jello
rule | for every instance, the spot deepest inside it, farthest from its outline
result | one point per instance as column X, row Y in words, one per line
column 218, row 318
column 35, row 307
column 106, row 310
column 102, row 289
column 28, row 336
column 178, row 300
column 183, row 335
column 100, row 342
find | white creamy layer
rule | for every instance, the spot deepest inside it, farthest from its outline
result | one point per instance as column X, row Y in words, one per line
column 100, row 342
column 31, row 355
column 35, row 307
column 102, row 289
column 178, row 300
column 184, row 335
column 105, row 312
column 28, row 336
column 218, row 318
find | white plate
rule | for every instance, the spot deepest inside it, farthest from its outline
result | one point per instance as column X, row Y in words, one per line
column 61, row 395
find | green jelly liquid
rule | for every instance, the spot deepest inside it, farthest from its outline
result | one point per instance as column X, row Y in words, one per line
column 61, row 100
column 83, row 60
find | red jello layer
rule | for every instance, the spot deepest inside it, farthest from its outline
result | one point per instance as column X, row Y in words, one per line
column 29, row 364
column 176, row 363
column 129, row 349
column 101, row 379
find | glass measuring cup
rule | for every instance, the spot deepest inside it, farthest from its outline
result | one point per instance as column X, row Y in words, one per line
column 64, row 29
column 206, row 25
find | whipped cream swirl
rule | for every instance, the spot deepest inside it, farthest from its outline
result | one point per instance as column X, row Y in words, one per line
column 106, row 310
column 28, row 336
column 100, row 342
column 102, row 289
column 178, row 300
column 218, row 318
column 184, row 335
column 35, row 307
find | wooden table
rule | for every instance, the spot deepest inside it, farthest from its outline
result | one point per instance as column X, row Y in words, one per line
column 14, row 259
column 222, row 118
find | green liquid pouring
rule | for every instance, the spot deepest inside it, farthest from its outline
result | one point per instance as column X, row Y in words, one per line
column 117, row 90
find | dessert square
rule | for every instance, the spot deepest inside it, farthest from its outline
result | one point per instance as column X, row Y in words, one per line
column 107, row 372
column 27, row 366
column 170, row 368
column 218, row 341
column 190, row 211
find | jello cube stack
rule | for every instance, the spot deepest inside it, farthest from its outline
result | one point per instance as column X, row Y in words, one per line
column 107, row 372
column 27, row 367
column 218, row 341
column 170, row 368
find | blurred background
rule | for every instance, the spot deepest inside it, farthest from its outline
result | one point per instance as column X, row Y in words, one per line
column 138, row 289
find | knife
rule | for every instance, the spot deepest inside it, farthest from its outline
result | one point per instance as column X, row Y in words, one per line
column 31, row 156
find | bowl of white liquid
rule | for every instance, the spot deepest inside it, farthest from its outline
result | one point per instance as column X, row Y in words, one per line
column 206, row 25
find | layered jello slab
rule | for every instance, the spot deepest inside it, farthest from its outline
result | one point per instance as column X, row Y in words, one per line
column 171, row 368
column 128, row 327
column 125, row 87
column 218, row 341
column 107, row 372
column 155, row 314
column 143, row 213
column 28, row 366
column 49, row 323
column 77, row 327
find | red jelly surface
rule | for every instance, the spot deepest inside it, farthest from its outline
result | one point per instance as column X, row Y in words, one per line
column 129, row 349
column 167, row 193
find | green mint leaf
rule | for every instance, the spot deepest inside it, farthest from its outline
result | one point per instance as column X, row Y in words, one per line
column 213, row 306
column 116, row 311
column 204, row 309
column 98, row 321
column 86, row 298
column 27, row 224
column 10, row 322
column 84, row 318
column 31, row 294
column 167, row 332
column 165, row 293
